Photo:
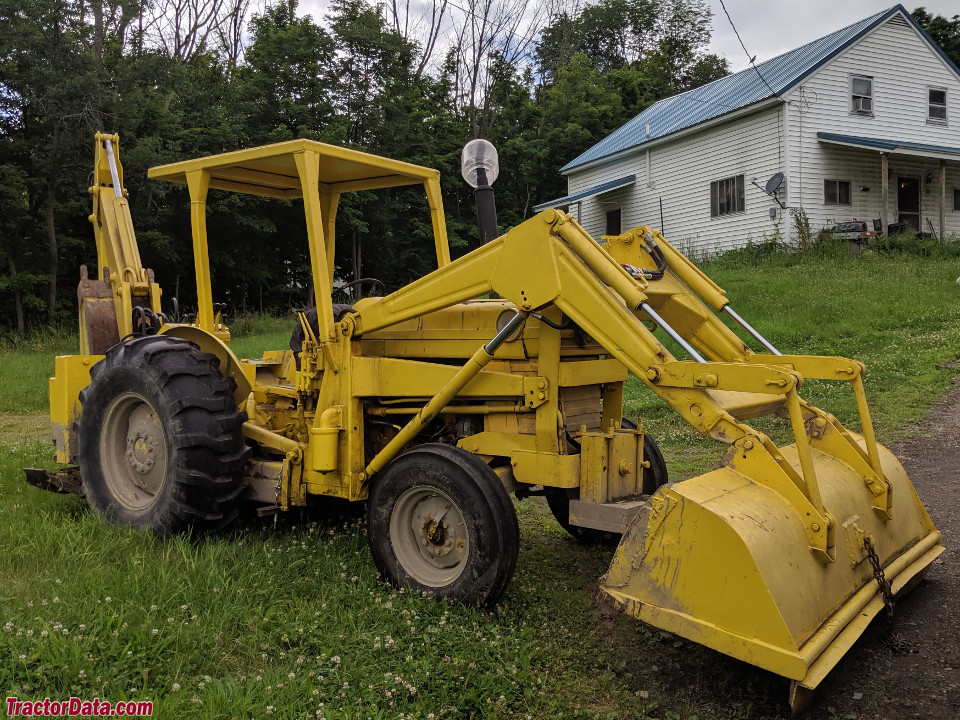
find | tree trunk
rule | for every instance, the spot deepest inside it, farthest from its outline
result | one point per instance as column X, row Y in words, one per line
column 52, row 250
column 17, row 298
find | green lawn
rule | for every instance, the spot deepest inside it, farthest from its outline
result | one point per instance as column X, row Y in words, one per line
column 292, row 620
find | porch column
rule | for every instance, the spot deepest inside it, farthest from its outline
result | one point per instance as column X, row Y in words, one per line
column 884, row 193
column 943, row 194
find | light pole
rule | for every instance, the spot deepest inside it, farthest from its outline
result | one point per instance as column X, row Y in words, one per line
column 480, row 167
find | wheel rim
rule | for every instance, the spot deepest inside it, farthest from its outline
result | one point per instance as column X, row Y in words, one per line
column 133, row 451
column 429, row 536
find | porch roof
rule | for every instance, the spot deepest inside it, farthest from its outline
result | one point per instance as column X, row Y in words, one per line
column 590, row 192
column 894, row 147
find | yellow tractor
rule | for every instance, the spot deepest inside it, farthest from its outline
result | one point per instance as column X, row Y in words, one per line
column 499, row 373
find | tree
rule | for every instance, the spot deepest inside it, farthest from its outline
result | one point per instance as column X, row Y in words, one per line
column 669, row 35
column 49, row 110
column 944, row 31
column 285, row 81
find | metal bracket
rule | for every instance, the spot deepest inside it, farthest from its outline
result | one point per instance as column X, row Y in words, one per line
column 536, row 391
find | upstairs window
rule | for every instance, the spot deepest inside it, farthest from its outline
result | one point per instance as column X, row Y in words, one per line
column 861, row 91
column 836, row 192
column 726, row 196
column 937, row 105
column 613, row 222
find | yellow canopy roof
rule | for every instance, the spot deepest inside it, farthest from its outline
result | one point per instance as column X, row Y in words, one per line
column 271, row 170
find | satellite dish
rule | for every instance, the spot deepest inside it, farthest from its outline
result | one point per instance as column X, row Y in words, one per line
column 774, row 183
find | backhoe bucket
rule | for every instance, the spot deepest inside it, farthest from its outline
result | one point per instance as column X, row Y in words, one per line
column 725, row 560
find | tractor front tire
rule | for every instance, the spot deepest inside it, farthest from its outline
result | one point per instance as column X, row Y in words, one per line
column 160, row 438
column 440, row 522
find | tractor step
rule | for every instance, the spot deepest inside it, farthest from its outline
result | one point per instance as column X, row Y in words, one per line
column 612, row 516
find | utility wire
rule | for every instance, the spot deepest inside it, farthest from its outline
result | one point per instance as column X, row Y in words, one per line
column 751, row 59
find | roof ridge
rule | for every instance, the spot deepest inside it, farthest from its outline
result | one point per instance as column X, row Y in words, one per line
column 732, row 92
column 758, row 66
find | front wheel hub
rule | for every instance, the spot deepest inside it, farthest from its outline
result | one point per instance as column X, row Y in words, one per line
column 429, row 536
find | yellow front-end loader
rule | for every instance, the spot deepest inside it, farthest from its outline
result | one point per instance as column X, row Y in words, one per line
column 498, row 373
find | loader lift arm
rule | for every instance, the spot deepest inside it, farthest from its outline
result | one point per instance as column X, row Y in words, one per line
column 818, row 507
column 588, row 285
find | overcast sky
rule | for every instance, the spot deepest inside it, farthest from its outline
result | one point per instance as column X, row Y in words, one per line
column 768, row 27
column 771, row 27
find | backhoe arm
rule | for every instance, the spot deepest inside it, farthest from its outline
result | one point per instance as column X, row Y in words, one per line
column 107, row 302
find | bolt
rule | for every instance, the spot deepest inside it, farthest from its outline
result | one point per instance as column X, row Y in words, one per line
column 820, row 422
column 815, row 527
column 748, row 444
column 653, row 375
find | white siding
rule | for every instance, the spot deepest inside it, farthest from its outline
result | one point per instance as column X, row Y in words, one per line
column 903, row 66
column 680, row 173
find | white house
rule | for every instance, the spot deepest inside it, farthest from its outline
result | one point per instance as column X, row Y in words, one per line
column 863, row 124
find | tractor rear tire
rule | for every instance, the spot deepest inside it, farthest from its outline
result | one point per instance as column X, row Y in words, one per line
column 440, row 522
column 160, row 438
column 653, row 477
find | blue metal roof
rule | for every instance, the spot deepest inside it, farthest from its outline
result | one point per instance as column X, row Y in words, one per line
column 887, row 145
column 739, row 90
column 595, row 190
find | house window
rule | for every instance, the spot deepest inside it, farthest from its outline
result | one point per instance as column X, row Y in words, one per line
column 861, row 92
column 613, row 222
column 836, row 192
column 726, row 196
column 937, row 105
column 956, row 199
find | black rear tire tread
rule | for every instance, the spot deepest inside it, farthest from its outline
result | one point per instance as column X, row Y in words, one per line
column 205, row 448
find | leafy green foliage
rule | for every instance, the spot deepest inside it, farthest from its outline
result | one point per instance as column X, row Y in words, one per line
column 944, row 31
column 69, row 68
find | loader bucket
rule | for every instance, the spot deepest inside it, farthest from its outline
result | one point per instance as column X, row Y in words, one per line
column 724, row 560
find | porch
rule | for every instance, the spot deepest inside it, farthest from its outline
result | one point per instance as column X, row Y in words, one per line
column 919, row 185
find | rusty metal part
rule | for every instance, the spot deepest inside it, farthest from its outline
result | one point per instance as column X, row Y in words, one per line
column 63, row 482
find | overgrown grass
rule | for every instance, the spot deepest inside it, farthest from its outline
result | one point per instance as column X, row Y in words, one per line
column 292, row 621
column 252, row 335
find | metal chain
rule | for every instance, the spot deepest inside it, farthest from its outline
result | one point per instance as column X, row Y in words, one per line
column 897, row 645
column 879, row 576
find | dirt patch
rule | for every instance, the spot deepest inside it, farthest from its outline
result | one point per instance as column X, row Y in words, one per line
column 874, row 682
